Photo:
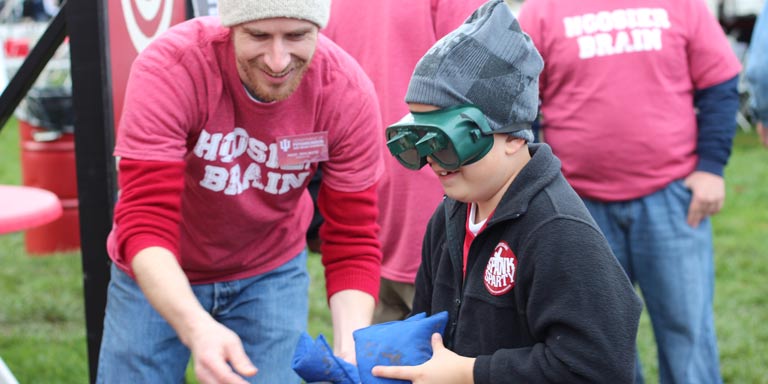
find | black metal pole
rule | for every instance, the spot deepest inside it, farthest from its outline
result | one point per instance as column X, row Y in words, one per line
column 30, row 69
column 94, row 142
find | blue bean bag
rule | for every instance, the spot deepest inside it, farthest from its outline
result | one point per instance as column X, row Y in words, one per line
column 406, row 342
column 314, row 361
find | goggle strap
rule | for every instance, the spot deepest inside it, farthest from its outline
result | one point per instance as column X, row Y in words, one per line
column 514, row 128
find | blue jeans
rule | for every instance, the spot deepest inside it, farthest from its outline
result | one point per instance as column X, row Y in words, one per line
column 672, row 263
column 267, row 311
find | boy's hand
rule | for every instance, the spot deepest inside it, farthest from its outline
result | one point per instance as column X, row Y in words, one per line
column 445, row 367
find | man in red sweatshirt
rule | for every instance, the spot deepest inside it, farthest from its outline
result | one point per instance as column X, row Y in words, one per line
column 226, row 119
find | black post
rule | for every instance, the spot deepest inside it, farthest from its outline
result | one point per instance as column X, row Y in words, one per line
column 94, row 142
column 30, row 69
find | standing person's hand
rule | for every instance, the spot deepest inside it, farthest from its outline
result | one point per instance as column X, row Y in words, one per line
column 762, row 133
column 213, row 346
column 708, row 196
column 445, row 367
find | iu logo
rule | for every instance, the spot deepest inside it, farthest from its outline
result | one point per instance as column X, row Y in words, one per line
column 285, row 144
column 500, row 271
column 150, row 16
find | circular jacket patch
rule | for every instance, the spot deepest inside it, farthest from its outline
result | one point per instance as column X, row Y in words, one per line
column 500, row 271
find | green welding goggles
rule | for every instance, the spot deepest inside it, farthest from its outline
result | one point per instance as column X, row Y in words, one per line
column 452, row 137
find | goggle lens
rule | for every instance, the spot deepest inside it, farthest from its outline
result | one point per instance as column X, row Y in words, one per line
column 411, row 158
column 402, row 145
column 447, row 157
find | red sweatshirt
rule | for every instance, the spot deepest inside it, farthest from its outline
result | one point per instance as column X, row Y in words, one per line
column 202, row 175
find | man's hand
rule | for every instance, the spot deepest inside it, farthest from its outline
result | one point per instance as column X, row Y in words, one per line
column 213, row 346
column 445, row 367
column 350, row 310
column 708, row 196
column 762, row 132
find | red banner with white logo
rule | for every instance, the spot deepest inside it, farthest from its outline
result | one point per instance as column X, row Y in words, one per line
column 133, row 24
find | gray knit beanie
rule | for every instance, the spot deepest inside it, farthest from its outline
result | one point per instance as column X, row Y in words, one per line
column 233, row 12
column 489, row 62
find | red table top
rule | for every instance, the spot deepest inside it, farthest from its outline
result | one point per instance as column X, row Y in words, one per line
column 23, row 207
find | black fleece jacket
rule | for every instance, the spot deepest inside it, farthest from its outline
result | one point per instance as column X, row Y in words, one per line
column 571, row 314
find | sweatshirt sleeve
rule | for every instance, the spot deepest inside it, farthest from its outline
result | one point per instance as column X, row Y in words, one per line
column 148, row 211
column 351, row 252
column 716, row 120
column 581, row 308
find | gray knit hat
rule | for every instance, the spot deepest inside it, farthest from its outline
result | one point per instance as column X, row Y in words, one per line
column 233, row 12
column 489, row 62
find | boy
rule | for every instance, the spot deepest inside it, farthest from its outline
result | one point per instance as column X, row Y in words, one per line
column 531, row 287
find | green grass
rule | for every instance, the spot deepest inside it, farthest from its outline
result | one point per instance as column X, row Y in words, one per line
column 42, row 331
column 42, row 326
column 741, row 301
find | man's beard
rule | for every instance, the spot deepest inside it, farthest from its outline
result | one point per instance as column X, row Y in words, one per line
column 268, row 93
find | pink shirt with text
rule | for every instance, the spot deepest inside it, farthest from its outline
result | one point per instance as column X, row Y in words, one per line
column 242, row 211
column 617, row 88
column 388, row 38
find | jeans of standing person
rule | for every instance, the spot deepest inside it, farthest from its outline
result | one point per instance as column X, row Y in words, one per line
column 267, row 311
column 673, row 265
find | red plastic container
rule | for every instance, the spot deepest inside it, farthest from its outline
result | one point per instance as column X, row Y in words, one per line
column 16, row 47
column 49, row 163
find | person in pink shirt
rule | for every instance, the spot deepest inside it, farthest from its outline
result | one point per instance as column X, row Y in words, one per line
column 388, row 38
column 638, row 100
column 226, row 119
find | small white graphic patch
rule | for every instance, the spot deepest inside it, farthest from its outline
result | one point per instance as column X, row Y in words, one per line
column 301, row 149
column 285, row 145
column 500, row 271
